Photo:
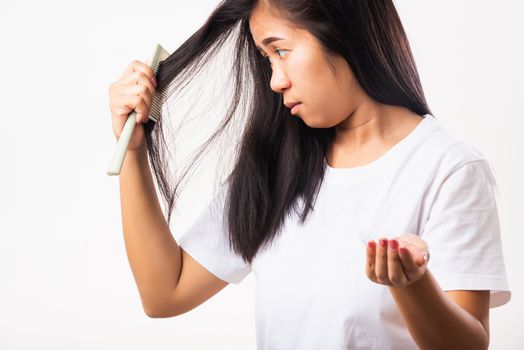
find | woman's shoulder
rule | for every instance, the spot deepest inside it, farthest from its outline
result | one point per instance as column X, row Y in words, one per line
column 447, row 148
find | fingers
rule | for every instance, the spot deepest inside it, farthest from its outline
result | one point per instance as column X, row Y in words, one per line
column 410, row 267
column 377, row 262
column 137, row 66
column 138, row 78
column 381, row 268
column 139, row 85
column 396, row 273
column 136, row 84
column 145, row 98
column 370, row 262
column 390, row 264
column 134, row 90
column 123, row 105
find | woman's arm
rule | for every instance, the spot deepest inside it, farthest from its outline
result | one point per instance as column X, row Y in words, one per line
column 443, row 320
column 435, row 319
column 153, row 254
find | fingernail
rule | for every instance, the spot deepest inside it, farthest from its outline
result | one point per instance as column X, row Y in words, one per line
column 393, row 244
column 153, row 80
column 425, row 256
column 382, row 242
column 371, row 244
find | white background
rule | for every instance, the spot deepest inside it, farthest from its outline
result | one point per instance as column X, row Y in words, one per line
column 65, row 282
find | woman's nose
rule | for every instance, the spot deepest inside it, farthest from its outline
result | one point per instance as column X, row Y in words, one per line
column 279, row 80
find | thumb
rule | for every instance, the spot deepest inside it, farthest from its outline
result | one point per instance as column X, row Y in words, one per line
column 422, row 259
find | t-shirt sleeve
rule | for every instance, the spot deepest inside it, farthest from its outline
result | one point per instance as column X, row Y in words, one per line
column 206, row 242
column 463, row 233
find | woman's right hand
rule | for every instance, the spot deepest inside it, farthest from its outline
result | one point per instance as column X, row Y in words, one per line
column 134, row 90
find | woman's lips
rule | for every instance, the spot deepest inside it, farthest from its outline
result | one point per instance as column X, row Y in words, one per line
column 295, row 108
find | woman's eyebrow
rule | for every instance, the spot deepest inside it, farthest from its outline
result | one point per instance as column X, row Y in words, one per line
column 268, row 41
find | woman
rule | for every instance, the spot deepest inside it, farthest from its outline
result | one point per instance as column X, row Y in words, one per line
column 339, row 148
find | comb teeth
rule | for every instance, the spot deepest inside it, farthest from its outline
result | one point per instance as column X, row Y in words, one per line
column 156, row 109
column 158, row 102
column 158, row 99
column 157, row 68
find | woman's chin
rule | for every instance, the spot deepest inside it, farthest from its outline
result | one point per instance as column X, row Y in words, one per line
column 315, row 123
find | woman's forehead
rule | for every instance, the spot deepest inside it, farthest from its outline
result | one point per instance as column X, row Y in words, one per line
column 266, row 24
column 262, row 21
column 266, row 30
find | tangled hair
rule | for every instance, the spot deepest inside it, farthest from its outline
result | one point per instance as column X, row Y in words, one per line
column 278, row 158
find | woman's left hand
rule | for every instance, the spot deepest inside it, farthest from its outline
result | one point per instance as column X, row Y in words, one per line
column 397, row 262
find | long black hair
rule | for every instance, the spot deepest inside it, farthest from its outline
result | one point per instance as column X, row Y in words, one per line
column 279, row 159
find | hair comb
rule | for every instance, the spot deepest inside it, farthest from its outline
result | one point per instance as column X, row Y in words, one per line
column 115, row 166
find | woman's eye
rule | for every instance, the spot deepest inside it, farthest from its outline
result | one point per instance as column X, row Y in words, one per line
column 277, row 51
column 265, row 57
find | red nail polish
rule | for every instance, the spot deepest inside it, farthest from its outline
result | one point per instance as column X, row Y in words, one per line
column 382, row 242
column 393, row 244
column 371, row 244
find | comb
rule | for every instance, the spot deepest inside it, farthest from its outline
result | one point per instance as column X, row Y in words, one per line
column 115, row 165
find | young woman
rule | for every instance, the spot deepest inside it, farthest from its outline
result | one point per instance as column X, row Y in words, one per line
column 343, row 184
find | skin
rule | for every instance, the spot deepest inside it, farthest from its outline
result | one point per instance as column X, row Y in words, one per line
column 366, row 129
column 330, row 95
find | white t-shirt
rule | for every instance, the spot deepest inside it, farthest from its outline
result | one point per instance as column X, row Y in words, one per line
column 311, row 288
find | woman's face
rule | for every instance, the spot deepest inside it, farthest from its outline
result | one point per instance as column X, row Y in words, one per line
column 301, row 71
